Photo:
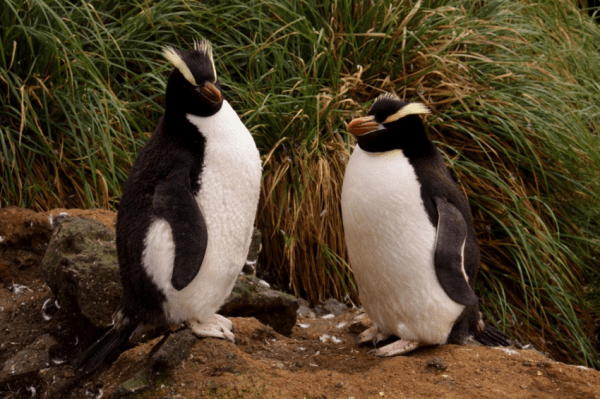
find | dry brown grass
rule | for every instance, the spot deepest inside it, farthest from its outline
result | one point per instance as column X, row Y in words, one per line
column 492, row 88
column 305, row 230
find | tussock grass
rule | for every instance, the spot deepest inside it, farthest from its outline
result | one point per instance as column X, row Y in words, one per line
column 521, row 137
column 513, row 86
column 70, row 119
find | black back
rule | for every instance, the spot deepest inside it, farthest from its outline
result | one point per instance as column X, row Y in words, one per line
column 164, row 157
column 408, row 134
column 438, row 189
column 162, row 184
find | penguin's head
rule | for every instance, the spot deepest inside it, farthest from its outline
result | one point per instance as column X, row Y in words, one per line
column 192, row 87
column 390, row 124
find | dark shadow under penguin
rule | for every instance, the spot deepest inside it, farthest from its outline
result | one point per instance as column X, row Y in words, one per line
column 185, row 219
column 410, row 235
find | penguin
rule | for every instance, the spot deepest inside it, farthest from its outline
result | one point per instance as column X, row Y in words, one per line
column 186, row 215
column 409, row 234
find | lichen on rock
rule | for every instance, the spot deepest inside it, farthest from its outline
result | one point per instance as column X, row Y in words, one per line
column 81, row 268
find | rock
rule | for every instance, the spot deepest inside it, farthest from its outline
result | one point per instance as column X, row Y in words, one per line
column 56, row 379
column 330, row 306
column 139, row 383
column 304, row 309
column 24, row 229
column 436, row 364
column 174, row 350
column 24, row 234
column 164, row 358
column 252, row 258
column 251, row 299
column 107, row 218
column 30, row 360
column 81, row 268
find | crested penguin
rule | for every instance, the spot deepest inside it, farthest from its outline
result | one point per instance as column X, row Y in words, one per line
column 186, row 216
column 410, row 235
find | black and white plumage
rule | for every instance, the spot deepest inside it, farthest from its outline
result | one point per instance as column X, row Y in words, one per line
column 186, row 216
column 410, row 235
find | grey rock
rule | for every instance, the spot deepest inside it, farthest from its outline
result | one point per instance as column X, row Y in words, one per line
column 80, row 266
column 436, row 364
column 304, row 309
column 56, row 380
column 330, row 306
column 30, row 360
column 164, row 358
column 252, row 258
column 139, row 383
column 249, row 298
column 174, row 350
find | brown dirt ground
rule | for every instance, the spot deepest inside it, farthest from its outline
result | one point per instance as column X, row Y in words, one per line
column 264, row 364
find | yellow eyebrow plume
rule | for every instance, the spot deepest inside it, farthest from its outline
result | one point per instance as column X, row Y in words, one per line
column 409, row 109
column 173, row 56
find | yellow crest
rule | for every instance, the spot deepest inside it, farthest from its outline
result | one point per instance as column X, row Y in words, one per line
column 205, row 47
column 174, row 58
column 387, row 96
column 408, row 109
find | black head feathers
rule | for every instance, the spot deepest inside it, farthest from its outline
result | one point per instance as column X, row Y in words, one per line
column 391, row 124
column 388, row 108
column 193, row 87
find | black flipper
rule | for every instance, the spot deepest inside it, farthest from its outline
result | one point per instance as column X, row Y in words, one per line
column 451, row 236
column 492, row 337
column 174, row 203
column 105, row 348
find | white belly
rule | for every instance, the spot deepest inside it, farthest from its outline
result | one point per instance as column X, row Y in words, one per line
column 391, row 245
column 228, row 197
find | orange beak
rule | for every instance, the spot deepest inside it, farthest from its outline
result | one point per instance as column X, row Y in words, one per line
column 362, row 125
column 211, row 92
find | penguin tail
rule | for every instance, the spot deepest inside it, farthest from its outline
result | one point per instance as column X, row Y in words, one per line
column 105, row 348
column 492, row 337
